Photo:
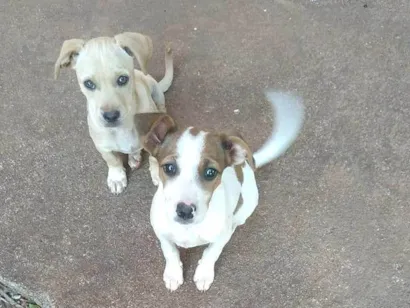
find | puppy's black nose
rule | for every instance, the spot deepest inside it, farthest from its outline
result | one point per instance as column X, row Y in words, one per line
column 111, row 116
column 185, row 211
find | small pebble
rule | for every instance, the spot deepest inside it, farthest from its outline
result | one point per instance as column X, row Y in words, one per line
column 195, row 29
column 16, row 296
column 264, row 10
column 236, row 111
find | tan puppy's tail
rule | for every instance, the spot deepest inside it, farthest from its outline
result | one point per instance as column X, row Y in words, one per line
column 166, row 82
column 288, row 119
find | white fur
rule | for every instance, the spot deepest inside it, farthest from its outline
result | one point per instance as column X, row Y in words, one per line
column 117, row 179
column 214, row 222
column 215, row 229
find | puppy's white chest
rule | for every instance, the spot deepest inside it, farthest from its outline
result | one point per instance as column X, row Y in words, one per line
column 186, row 237
column 126, row 141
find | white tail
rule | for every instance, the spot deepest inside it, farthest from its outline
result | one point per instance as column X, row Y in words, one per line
column 166, row 82
column 288, row 113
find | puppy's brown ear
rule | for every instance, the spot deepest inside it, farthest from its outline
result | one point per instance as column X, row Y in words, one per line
column 156, row 135
column 137, row 45
column 68, row 54
column 237, row 150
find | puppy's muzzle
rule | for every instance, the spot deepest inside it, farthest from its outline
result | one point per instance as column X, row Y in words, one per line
column 185, row 212
column 111, row 117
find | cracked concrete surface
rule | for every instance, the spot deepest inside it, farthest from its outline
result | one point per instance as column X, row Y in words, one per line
column 332, row 228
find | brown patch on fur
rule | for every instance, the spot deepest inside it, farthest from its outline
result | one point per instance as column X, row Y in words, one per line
column 144, row 121
column 158, row 133
column 209, row 186
column 239, row 172
column 161, row 139
column 233, row 132
column 220, row 151
column 194, row 131
column 214, row 150
column 169, row 147
column 237, row 150
column 167, row 151
column 212, row 156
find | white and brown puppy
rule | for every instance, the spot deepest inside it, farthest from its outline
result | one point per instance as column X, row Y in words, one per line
column 115, row 93
column 202, row 177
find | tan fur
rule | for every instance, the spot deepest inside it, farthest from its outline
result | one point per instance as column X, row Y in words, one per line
column 69, row 51
column 103, row 60
column 140, row 46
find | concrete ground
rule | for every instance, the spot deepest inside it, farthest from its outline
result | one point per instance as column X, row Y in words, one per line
column 332, row 228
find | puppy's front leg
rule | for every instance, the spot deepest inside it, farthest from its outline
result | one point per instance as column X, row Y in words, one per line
column 117, row 178
column 134, row 160
column 204, row 273
column 173, row 274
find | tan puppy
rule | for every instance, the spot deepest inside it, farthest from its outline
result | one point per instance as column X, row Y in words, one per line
column 115, row 93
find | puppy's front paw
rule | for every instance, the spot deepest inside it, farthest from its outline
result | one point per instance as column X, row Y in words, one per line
column 204, row 276
column 173, row 276
column 134, row 160
column 117, row 180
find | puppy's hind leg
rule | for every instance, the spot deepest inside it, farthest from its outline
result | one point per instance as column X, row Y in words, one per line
column 250, row 197
column 117, row 178
column 145, row 101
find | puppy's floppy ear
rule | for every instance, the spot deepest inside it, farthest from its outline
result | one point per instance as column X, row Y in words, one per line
column 138, row 45
column 237, row 150
column 157, row 133
column 69, row 52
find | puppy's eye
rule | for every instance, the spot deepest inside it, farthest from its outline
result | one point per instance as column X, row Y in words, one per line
column 210, row 174
column 170, row 169
column 122, row 80
column 89, row 85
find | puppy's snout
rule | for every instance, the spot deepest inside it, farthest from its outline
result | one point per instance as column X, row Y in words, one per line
column 111, row 116
column 185, row 211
